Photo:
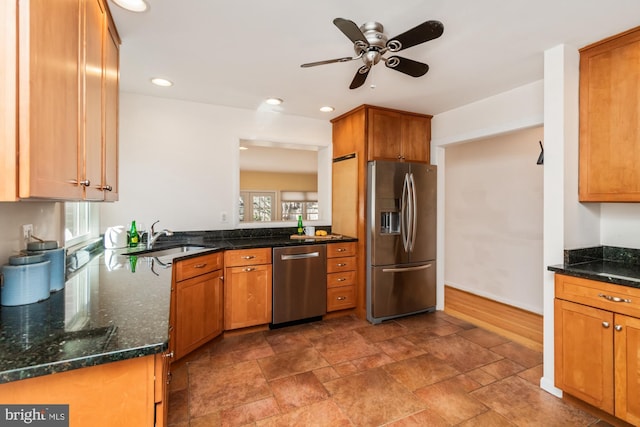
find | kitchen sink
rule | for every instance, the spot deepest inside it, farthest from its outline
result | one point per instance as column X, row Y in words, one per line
column 168, row 253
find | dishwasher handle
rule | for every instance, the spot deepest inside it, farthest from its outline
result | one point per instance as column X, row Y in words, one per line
column 300, row 256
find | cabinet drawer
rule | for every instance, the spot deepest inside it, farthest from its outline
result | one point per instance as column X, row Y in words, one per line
column 341, row 249
column 335, row 265
column 196, row 266
column 240, row 257
column 616, row 298
column 345, row 278
column 341, row 297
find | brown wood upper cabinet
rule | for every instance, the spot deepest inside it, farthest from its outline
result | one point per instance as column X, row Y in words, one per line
column 61, row 120
column 609, row 110
column 394, row 135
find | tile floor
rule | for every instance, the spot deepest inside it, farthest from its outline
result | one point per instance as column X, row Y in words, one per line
column 424, row 370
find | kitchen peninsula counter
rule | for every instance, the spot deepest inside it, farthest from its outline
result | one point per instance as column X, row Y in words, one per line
column 113, row 307
column 615, row 265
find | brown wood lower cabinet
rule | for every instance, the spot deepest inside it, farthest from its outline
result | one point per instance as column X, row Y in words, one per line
column 124, row 393
column 247, row 288
column 597, row 344
column 341, row 276
column 197, row 306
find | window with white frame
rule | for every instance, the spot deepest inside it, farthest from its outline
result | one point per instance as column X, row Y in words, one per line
column 80, row 222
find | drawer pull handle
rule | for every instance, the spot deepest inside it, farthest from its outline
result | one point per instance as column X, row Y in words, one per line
column 200, row 265
column 614, row 299
column 341, row 298
column 168, row 355
column 618, row 328
column 341, row 264
column 342, row 279
column 341, row 249
column 249, row 269
column 248, row 257
column 605, row 324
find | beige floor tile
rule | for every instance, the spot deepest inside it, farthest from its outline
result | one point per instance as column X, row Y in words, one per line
column 212, row 388
column 297, row 391
column 291, row 363
column 420, row 371
column 421, row 419
column 487, row 419
column 533, row 375
column 322, row 414
column 483, row 337
column 519, row 354
column 450, row 400
column 503, row 368
column 461, row 353
column 385, row 399
column 178, row 407
column 343, row 346
column 383, row 331
column 522, row 403
column 400, row 348
column 249, row 413
column 284, row 342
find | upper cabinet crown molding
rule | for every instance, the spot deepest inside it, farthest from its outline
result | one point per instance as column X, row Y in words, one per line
column 609, row 111
column 59, row 82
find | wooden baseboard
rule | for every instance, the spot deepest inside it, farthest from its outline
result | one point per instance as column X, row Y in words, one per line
column 521, row 326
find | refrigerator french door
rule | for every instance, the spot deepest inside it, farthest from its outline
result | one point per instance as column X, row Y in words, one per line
column 401, row 239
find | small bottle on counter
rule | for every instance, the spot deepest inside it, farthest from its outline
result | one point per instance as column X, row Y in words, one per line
column 300, row 226
column 133, row 235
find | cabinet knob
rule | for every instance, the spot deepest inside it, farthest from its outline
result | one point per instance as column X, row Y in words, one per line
column 605, row 324
column 107, row 188
column 84, row 183
column 168, row 355
column 341, row 264
column 341, row 298
column 342, row 279
column 248, row 257
column 203, row 265
column 618, row 328
column 341, row 249
column 249, row 269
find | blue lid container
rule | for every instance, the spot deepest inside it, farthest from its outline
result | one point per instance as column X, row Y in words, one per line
column 25, row 280
column 57, row 257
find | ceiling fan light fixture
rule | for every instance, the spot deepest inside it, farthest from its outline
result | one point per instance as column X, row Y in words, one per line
column 158, row 81
column 327, row 109
column 132, row 5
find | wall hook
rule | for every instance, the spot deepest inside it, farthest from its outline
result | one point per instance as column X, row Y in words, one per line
column 541, row 156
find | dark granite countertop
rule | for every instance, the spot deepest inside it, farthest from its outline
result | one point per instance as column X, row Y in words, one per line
column 620, row 266
column 108, row 310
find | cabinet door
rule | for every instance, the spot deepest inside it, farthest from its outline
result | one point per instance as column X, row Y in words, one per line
column 198, row 311
column 247, row 292
column 49, row 162
column 111, row 83
column 384, row 135
column 94, row 28
column 584, row 353
column 609, row 132
column 627, row 372
column 416, row 138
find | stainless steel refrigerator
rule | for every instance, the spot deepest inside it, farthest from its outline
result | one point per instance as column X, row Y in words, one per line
column 401, row 239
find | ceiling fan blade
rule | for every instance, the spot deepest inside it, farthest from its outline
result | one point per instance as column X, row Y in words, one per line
column 407, row 66
column 424, row 32
column 328, row 61
column 360, row 77
column 351, row 30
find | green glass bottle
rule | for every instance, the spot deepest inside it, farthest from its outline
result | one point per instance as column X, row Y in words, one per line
column 300, row 226
column 133, row 235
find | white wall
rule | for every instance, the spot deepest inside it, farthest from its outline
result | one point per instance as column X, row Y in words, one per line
column 620, row 224
column 179, row 160
column 493, row 218
column 47, row 219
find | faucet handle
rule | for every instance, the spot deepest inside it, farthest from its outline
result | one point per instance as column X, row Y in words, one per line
column 152, row 230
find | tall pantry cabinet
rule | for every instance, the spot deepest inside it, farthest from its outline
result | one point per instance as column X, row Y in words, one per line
column 59, row 84
column 362, row 134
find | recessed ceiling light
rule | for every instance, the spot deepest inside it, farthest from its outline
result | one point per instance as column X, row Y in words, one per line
column 132, row 5
column 273, row 101
column 327, row 109
column 244, row 148
column 161, row 82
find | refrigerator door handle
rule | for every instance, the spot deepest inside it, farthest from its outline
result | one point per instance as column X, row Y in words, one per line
column 404, row 213
column 403, row 269
column 414, row 213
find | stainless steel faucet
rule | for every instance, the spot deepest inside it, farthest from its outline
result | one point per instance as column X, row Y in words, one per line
column 153, row 236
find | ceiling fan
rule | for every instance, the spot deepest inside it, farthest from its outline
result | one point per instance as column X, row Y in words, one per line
column 370, row 44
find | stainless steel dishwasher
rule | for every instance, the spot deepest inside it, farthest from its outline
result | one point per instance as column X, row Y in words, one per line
column 299, row 283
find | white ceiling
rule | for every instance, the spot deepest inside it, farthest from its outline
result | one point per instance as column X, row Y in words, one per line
column 236, row 53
